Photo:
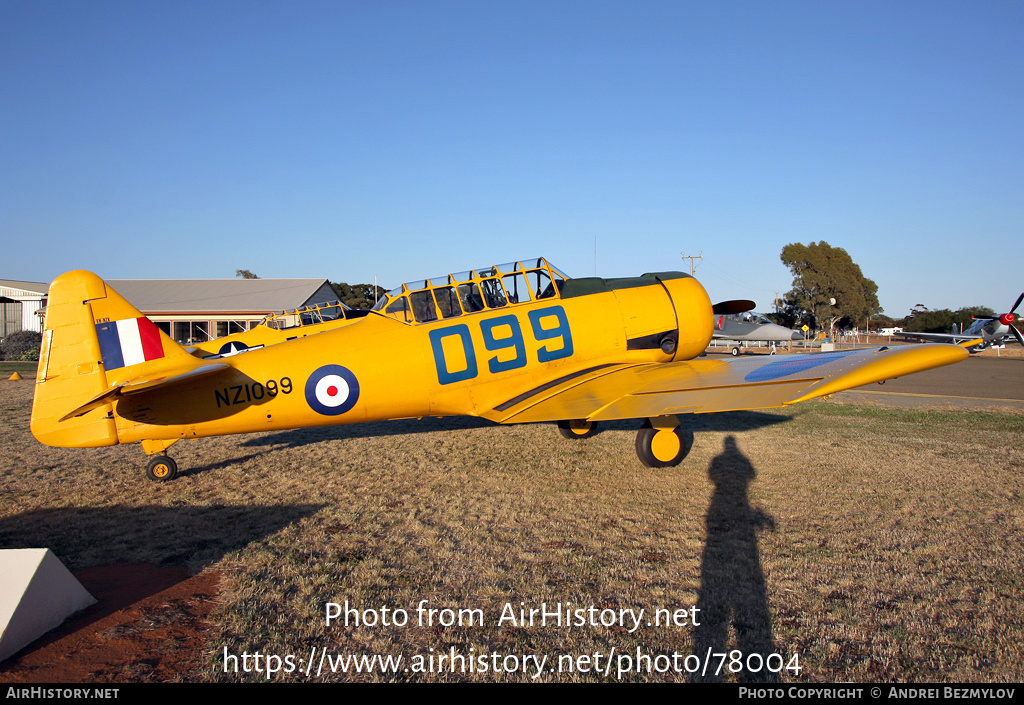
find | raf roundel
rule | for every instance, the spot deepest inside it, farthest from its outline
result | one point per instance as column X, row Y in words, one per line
column 332, row 390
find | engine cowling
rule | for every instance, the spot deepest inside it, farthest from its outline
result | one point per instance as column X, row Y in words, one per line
column 694, row 317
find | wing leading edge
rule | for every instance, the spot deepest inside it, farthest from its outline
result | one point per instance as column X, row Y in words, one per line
column 703, row 386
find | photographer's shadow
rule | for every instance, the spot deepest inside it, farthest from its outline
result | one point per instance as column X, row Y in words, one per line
column 732, row 586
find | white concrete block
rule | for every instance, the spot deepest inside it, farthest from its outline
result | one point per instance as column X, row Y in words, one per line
column 37, row 593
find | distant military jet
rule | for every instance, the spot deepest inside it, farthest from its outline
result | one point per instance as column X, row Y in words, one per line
column 734, row 320
column 987, row 330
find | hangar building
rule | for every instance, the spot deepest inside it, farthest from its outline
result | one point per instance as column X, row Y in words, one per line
column 188, row 310
column 197, row 310
column 19, row 303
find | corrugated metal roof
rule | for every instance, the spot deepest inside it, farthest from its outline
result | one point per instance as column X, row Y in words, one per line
column 33, row 287
column 222, row 295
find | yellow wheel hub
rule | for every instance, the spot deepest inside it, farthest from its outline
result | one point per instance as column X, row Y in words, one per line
column 665, row 445
column 580, row 426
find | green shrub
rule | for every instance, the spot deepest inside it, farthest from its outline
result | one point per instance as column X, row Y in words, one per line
column 21, row 345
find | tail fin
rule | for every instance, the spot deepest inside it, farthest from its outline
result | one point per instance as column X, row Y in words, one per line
column 93, row 341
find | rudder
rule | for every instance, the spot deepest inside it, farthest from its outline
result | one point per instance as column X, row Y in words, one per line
column 93, row 340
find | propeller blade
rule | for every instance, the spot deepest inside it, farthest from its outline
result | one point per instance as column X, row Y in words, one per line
column 1017, row 335
column 736, row 306
column 1019, row 299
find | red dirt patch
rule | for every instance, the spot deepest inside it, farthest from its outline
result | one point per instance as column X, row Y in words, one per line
column 148, row 625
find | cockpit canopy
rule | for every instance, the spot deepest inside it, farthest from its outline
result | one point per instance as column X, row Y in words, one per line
column 426, row 300
column 311, row 315
column 750, row 317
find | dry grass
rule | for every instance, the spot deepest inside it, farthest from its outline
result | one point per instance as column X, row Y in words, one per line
column 875, row 544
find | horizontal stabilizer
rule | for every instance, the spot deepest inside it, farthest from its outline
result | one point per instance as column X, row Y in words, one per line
column 143, row 385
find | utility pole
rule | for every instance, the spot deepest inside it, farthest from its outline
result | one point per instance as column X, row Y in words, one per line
column 683, row 255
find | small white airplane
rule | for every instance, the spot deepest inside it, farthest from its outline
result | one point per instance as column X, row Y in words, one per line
column 734, row 320
column 989, row 330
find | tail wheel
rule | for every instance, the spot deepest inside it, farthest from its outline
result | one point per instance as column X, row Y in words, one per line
column 661, row 448
column 577, row 428
column 161, row 468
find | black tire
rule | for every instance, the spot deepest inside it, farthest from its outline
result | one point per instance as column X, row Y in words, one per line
column 735, row 352
column 161, row 468
column 661, row 448
column 576, row 429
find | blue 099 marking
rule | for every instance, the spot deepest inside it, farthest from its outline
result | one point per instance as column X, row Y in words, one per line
column 560, row 331
column 494, row 344
column 501, row 334
column 444, row 376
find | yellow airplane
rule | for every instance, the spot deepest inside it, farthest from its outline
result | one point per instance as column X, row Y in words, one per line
column 514, row 343
column 279, row 328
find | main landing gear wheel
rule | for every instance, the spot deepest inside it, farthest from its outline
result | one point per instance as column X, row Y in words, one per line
column 736, row 351
column 161, row 468
column 577, row 428
column 661, row 447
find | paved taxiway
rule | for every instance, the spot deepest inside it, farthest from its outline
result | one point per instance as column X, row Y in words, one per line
column 991, row 383
column 976, row 383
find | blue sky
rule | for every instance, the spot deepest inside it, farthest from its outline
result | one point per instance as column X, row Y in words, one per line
column 409, row 139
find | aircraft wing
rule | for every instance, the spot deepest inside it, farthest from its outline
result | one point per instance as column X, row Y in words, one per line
column 624, row 391
column 935, row 337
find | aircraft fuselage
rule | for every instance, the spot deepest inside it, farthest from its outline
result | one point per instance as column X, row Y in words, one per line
column 381, row 367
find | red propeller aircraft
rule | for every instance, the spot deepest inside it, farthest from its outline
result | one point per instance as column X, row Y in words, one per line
column 985, row 331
